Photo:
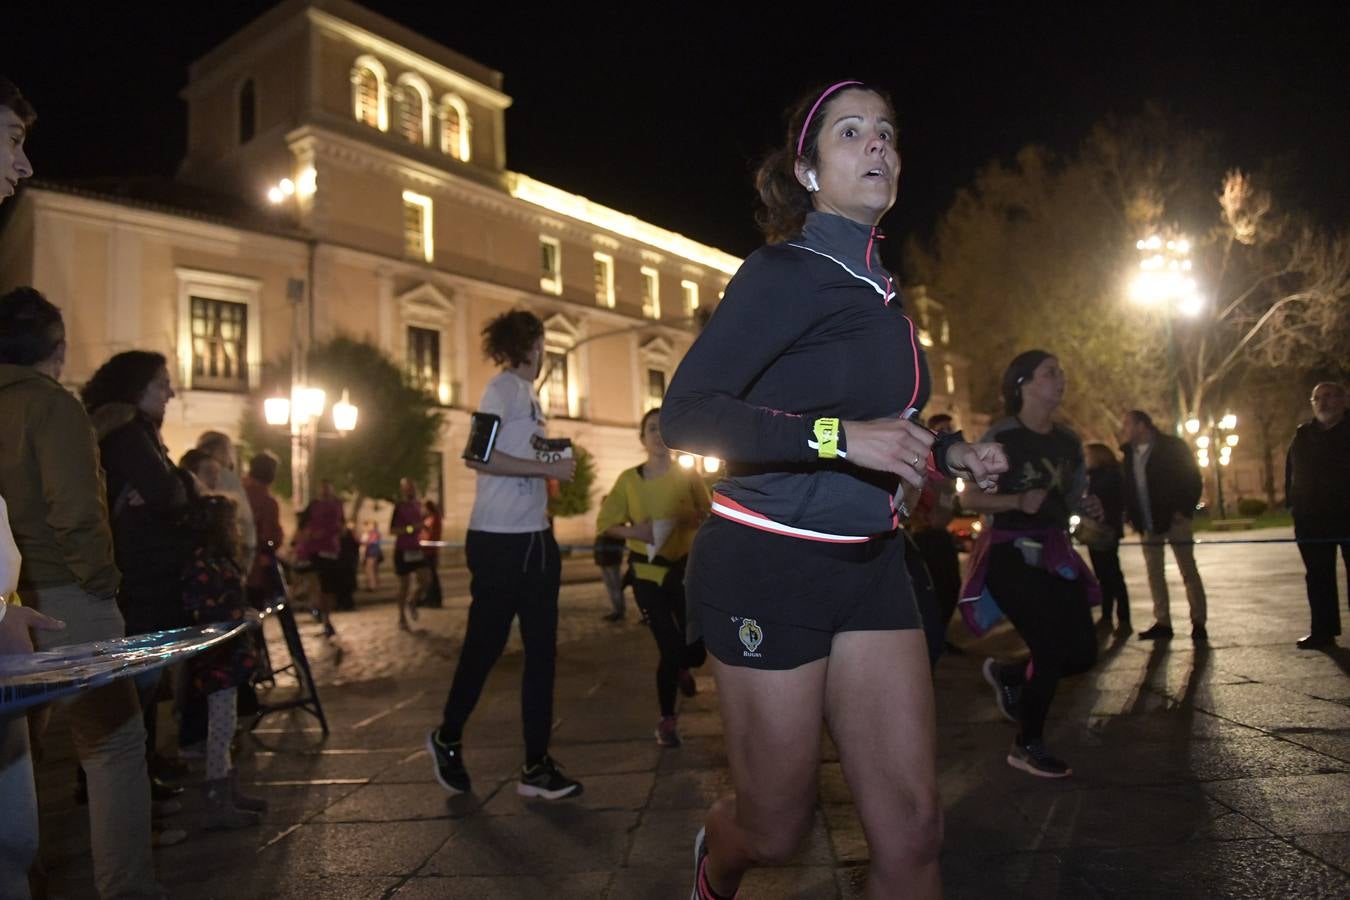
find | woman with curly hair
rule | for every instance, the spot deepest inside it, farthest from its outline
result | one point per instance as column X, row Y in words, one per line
column 514, row 565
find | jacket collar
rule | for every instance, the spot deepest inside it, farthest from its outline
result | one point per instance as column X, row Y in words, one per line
column 850, row 244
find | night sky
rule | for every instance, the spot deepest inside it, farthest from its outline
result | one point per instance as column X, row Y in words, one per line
column 663, row 114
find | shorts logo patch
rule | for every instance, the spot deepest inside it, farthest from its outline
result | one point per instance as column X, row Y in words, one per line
column 751, row 636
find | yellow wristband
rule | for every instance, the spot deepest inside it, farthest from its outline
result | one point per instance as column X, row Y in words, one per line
column 827, row 436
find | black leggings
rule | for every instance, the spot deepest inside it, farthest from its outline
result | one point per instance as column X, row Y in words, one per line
column 944, row 565
column 663, row 607
column 1106, row 566
column 1053, row 618
column 511, row 575
column 1319, row 563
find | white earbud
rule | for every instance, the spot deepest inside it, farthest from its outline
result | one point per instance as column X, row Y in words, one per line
column 811, row 183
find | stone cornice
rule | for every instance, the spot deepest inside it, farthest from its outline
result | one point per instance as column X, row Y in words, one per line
column 329, row 144
column 174, row 226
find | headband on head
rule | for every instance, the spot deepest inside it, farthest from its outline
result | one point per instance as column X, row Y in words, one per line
column 806, row 124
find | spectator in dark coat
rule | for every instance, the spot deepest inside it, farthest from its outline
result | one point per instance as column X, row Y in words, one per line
column 263, row 584
column 149, row 499
column 148, row 496
column 1317, row 489
column 1162, row 486
column 1107, row 484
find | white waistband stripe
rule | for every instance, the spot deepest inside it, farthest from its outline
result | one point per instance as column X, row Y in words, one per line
column 764, row 524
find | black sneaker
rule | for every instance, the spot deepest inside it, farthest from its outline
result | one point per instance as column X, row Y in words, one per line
column 545, row 779
column 1034, row 759
column 1005, row 695
column 1156, row 632
column 448, row 762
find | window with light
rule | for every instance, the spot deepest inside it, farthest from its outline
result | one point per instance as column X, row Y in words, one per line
column 219, row 345
column 417, row 241
column 550, row 265
column 690, row 291
column 423, row 355
column 410, row 111
column 366, row 85
column 651, row 293
column 604, row 280
column 555, row 384
column 656, row 389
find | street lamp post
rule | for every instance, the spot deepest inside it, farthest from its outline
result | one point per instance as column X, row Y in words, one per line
column 303, row 411
column 1164, row 282
column 1222, row 437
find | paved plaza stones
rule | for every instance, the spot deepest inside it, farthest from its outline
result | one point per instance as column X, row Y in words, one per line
column 1219, row 771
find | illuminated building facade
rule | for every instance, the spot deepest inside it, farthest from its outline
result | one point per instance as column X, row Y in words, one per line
column 345, row 175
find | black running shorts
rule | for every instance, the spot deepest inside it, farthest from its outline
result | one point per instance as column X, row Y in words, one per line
column 408, row 561
column 768, row 601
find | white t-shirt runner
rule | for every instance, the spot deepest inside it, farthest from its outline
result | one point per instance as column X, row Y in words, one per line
column 511, row 505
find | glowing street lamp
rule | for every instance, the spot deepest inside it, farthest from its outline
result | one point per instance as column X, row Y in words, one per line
column 303, row 411
column 277, row 410
column 344, row 414
column 304, row 186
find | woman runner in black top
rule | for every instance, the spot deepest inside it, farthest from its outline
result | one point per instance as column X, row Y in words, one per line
column 1045, row 484
column 802, row 381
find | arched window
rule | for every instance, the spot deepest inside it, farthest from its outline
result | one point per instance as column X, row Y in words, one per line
column 368, row 93
column 455, row 127
column 248, row 112
column 414, row 109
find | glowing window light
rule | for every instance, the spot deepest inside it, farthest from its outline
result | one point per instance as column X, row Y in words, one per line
column 686, row 461
column 711, row 464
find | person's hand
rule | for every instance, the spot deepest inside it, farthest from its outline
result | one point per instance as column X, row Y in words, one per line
column 14, row 628
column 643, row 531
column 978, row 464
column 1030, row 501
column 891, row 445
column 561, row 470
column 1092, row 507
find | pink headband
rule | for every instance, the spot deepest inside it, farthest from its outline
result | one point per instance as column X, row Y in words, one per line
column 807, row 124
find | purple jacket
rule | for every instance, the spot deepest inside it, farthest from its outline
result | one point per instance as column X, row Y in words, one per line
column 980, row 609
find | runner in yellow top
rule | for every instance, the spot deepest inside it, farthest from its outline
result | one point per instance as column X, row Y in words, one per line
column 657, row 507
